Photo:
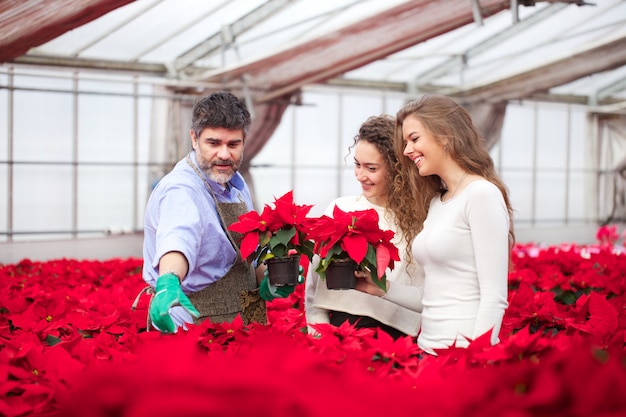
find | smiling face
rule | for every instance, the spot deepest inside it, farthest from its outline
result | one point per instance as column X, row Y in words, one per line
column 422, row 148
column 219, row 152
column 370, row 170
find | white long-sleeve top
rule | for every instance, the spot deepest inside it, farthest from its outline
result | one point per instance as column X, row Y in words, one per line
column 402, row 315
column 464, row 250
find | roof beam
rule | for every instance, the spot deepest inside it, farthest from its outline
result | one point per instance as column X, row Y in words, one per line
column 490, row 42
column 117, row 27
column 235, row 29
column 353, row 46
column 608, row 90
column 594, row 59
column 92, row 64
column 30, row 23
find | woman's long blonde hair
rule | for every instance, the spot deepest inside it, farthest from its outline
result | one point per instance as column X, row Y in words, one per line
column 445, row 119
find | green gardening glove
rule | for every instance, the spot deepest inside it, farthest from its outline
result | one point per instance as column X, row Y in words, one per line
column 269, row 292
column 168, row 294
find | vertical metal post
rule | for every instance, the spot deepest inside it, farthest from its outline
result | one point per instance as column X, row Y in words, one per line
column 478, row 17
column 514, row 11
column 294, row 151
column 568, row 157
column 533, row 212
column 384, row 103
column 135, row 154
column 595, row 141
column 10, row 156
column 75, row 87
column 339, row 144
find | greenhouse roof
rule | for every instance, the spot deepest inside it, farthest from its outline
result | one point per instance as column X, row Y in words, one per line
column 477, row 50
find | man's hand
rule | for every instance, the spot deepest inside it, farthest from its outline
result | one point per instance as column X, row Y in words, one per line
column 269, row 292
column 168, row 294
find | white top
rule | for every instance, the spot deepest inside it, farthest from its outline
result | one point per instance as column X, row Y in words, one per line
column 402, row 314
column 464, row 250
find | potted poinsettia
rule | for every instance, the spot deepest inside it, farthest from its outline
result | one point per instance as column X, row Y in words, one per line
column 277, row 237
column 352, row 241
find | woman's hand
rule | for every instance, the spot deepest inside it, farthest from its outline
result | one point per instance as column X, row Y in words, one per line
column 364, row 283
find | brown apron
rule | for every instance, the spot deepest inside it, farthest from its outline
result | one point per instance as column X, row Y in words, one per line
column 236, row 292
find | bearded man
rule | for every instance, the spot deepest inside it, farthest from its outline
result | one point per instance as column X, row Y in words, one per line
column 192, row 263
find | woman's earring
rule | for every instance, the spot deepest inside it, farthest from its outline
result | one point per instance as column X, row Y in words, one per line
column 445, row 150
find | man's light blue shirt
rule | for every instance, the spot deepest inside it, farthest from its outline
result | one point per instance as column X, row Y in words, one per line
column 181, row 216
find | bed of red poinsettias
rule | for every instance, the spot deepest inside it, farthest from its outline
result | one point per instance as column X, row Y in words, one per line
column 71, row 345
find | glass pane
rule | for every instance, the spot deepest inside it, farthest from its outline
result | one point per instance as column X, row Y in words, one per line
column 518, row 137
column 391, row 104
column 348, row 182
column 40, row 80
column 577, row 199
column 355, row 110
column 316, row 128
column 552, row 133
column 317, row 187
column 278, row 151
column 578, row 147
column 271, row 182
column 42, row 126
column 550, row 198
column 105, row 198
column 4, row 198
column 105, row 129
column 494, row 152
column 143, row 129
column 4, row 123
column 520, row 194
column 143, row 192
column 107, row 85
column 42, row 196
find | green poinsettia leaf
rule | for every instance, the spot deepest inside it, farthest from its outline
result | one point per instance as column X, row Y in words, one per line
column 370, row 256
column 336, row 252
column 264, row 238
column 381, row 281
column 306, row 248
column 278, row 249
column 284, row 236
column 52, row 340
column 262, row 254
column 567, row 297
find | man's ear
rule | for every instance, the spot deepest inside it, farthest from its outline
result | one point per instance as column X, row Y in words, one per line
column 194, row 139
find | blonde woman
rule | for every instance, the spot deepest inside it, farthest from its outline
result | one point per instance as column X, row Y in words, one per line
column 464, row 246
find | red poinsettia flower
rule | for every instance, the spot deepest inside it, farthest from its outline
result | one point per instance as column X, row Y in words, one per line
column 63, row 321
column 607, row 235
column 278, row 231
column 593, row 315
column 355, row 235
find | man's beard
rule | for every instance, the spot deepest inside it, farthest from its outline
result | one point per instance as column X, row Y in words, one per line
column 207, row 168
